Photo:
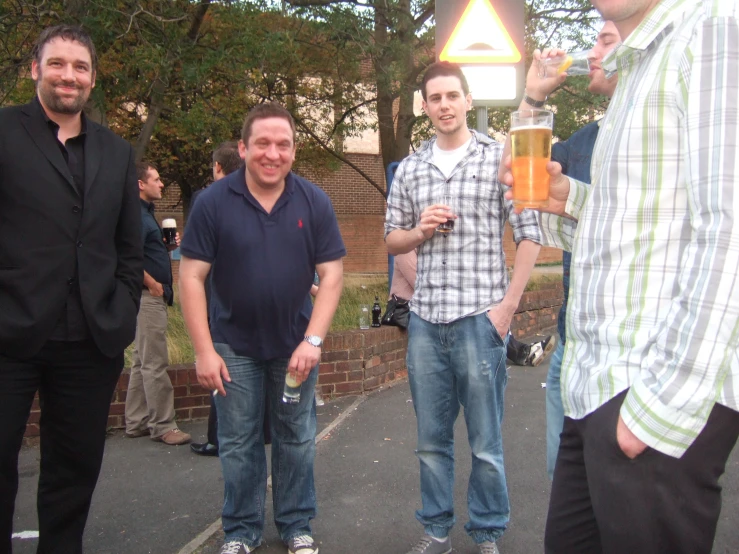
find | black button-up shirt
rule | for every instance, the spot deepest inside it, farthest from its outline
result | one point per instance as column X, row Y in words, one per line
column 156, row 255
column 72, row 325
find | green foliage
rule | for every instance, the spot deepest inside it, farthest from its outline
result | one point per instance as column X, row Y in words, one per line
column 360, row 291
column 179, row 347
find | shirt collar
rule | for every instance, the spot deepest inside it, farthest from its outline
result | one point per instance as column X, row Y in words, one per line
column 53, row 124
column 478, row 142
column 648, row 31
column 148, row 206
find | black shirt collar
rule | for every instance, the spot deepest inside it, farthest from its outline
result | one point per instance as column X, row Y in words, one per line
column 53, row 124
column 148, row 206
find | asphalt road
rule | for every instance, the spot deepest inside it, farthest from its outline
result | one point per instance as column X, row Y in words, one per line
column 157, row 499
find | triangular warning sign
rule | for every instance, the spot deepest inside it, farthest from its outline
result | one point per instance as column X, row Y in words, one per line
column 480, row 37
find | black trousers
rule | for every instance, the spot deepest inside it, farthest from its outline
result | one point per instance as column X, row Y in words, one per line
column 604, row 502
column 75, row 382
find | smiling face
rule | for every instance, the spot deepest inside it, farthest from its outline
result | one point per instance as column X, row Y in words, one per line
column 608, row 38
column 269, row 153
column 64, row 76
column 447, row 105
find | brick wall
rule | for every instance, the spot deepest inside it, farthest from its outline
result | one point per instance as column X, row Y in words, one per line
column 353, row 362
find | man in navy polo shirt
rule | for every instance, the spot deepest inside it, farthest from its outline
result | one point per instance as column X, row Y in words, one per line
column 261, row 232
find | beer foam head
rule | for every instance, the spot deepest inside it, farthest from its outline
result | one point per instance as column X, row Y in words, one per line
column 169, row 224
column 532, row 128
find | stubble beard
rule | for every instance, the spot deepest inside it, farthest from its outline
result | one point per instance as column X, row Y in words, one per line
column 57, row 104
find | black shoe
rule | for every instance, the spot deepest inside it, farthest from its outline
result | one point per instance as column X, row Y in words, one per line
column 204, row 449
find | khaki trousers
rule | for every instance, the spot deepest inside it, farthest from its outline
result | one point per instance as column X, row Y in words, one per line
column 150, row 396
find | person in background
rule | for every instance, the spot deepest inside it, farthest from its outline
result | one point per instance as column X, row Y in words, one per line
column 150, row 395
column 574, row 155
column 226, row 160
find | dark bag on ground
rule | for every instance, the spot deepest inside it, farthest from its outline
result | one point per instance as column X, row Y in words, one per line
column 397, row 313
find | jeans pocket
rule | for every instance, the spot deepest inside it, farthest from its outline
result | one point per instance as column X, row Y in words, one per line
column 496, row 335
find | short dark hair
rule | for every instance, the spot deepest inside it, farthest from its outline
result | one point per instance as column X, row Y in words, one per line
column 227, row 155
column 444, row 69
column 142, row 170
column 264, row 111
column 65, row 32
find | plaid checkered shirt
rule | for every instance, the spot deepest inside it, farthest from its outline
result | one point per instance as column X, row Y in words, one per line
column 463, row 272
column 655, row 254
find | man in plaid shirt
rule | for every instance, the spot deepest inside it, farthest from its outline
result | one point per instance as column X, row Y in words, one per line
column 462, row 307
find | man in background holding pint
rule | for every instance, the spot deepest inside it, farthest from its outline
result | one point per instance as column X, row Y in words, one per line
column 150, row 396
column 650, row 375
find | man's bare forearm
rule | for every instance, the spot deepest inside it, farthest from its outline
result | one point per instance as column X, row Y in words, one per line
column 401, row 241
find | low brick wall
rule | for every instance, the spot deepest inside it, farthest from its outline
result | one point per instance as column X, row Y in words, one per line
column 353, row 362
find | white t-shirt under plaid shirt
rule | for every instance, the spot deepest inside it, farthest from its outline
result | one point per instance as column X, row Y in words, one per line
column 463, row 272
column 653, row 296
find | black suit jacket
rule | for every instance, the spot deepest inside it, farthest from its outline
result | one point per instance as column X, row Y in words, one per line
column 46, row 232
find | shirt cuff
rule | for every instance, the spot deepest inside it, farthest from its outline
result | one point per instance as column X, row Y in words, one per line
column 577, row 197
column 658, row 425
column 557, row 231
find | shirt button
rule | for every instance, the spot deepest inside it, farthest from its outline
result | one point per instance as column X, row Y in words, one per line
column 70, row 281
column 76, row 209
column 79, row 244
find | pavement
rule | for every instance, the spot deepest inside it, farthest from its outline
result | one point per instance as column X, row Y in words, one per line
column 153, row 498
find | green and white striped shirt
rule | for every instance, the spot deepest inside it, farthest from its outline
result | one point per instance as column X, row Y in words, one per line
column 654, row 296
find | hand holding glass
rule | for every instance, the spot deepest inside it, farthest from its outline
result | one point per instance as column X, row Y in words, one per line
column 531, row 149
column 448, row 226
column 291, row 392
column 573, row 63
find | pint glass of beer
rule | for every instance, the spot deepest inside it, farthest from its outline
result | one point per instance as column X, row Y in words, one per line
column 531, row 149
column 169, row 229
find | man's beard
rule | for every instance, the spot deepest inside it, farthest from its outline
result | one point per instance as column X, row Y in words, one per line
column 57, row 104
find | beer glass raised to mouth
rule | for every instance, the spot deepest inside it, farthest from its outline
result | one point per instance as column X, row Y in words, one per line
column 531, row 149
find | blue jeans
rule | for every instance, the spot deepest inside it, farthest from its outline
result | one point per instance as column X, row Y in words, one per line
column 460, row 363
column 242, row 453
column 555, row 409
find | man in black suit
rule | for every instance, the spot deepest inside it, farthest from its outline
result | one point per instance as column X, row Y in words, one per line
column 70, row 281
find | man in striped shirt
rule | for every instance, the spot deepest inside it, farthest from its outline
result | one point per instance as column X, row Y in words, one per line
column 650, row 375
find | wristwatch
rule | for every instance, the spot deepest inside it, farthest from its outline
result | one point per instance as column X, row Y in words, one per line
column 313, row 340
column 534, row 103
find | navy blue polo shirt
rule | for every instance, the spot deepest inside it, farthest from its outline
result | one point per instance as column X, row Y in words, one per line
column 262, row 265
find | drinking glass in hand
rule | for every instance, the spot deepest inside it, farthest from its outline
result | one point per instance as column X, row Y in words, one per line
column 169, row 230
column 531, row 149
column 448, row 226
column 573, row 63
column 291, row 392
